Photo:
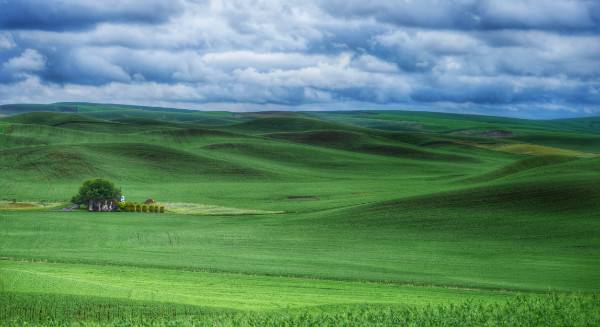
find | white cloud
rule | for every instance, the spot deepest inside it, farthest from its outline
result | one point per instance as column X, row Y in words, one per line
column 263, row 61
column 6, row 40
column 30, row 61
column 373, row 64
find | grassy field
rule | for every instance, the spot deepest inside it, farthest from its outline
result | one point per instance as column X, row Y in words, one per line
column 329, row 218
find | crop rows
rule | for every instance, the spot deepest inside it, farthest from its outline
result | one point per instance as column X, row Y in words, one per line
column 18, row 309
column 539, row 310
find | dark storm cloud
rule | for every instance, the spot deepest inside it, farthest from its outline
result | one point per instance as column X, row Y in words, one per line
column 63, row 15
column 526, row 58
column 470, row 14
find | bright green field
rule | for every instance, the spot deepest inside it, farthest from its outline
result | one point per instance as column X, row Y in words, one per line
column 272, row 217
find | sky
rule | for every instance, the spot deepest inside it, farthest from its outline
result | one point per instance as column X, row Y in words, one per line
column 517, row 58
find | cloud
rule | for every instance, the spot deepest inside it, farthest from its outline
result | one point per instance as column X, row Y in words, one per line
column 540, row 14
column 6, row 41
column 473, row 14
column 83, row 14
column 28, row 63
column 30, row 60
column 508, row 57
column 424, row 13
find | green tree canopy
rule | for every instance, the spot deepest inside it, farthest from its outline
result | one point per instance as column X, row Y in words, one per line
column 77, row 199
column 97, row 190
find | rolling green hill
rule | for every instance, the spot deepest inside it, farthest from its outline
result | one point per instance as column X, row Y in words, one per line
column 285, row 214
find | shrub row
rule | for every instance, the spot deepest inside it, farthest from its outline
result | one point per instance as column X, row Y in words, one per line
column 138, row 207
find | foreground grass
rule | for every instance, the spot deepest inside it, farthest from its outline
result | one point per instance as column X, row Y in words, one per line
column 533, row 310
column 61, row 294
column 219, row 291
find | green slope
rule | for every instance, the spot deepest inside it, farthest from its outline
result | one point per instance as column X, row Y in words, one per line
column 82, row 123
column 430, row 206
column 293, row 214
column 508, row 236
column 523, row 165
column 50, row 118
column 362, row 143
column 280, row 124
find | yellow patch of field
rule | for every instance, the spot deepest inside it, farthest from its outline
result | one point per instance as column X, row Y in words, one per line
column 28, row 205
column 210, row 210
column 533, row 149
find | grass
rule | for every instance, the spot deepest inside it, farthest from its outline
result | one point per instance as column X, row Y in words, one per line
column 54, row 293
column 524, row 165
column 458, row 232
column 5, row 128
column 532, row 310
column 220, row 291
column 300, row 218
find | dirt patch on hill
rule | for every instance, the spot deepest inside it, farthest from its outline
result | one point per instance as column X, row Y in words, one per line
column 63, row 155
column 335, row 139
column 489, row 133
column 497, row 133
column 302, row 197
column 224, row 146
column 270, row 114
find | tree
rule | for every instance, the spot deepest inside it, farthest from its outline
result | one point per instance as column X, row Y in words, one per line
column 78, row 200
column 98, row 194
